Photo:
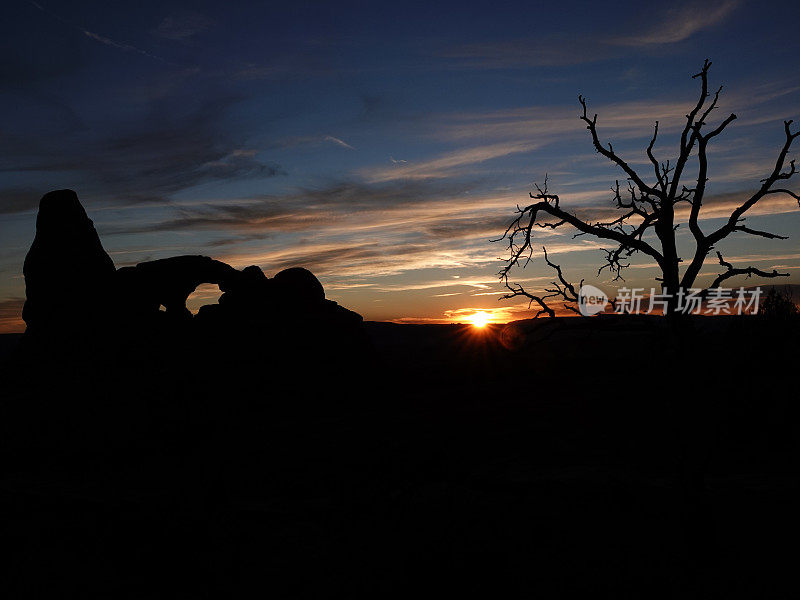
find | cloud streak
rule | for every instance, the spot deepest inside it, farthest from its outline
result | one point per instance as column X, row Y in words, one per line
column 652, row 29
column 18, row 199
column 175, row 148
column 364, row 229
column 11, row 315
column 679, row 23
column 99, row 38
column 338, row 142
column 182, row 25
column 445, row 164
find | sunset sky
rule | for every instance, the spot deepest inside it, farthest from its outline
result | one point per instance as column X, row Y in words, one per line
column 381, row 145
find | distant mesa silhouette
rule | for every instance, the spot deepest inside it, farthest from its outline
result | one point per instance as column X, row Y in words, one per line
column 72, row 285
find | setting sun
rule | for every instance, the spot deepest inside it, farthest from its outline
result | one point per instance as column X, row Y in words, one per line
column 479, row 319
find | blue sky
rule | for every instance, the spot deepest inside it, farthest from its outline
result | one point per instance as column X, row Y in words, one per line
column 381, row 145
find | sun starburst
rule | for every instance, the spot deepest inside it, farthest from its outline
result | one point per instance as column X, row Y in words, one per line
column 479, row 319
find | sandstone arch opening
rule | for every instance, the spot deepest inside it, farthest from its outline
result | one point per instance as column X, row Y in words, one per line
column 205, row 293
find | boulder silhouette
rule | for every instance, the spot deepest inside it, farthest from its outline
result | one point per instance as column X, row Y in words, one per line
column 67, row 271
column 292, row 295
column 247, row 297
column 299, row 287
column 301, row 293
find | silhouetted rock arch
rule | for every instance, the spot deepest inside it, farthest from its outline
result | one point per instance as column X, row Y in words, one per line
column 74, row 289
column 169, row 282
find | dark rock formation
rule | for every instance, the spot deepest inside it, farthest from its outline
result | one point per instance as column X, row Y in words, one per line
column 143, row 289
column 299, row 287
column 293, row 296
column 67, row 271
column 248, row 298
column 72, row 287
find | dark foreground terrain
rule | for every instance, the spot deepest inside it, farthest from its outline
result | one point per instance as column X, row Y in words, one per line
column 606, row 457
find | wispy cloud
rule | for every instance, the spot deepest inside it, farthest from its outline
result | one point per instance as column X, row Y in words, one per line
column 387, row 255
column 443, row 165
column 182, row 25
column 96, row 37
column 359, row 229
column 651, row 28
column 539, row 51
column 177, row 148
column 679, row 22
column 310, row 140
column 120, row 45
column 18, row 199
column 11, row 315
column 338, row 142
column 547, row 124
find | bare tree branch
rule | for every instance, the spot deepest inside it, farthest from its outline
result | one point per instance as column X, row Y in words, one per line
column 591, row 125
column 647, row 207
column 776, row 175
column 517, row 290
column 766, row 234
column 661, row 175
column 733, row 272
column 563, row 288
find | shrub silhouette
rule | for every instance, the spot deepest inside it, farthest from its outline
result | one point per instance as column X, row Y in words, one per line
column 779, row 304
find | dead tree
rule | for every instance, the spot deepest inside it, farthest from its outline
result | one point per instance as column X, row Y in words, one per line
column 647, row 208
